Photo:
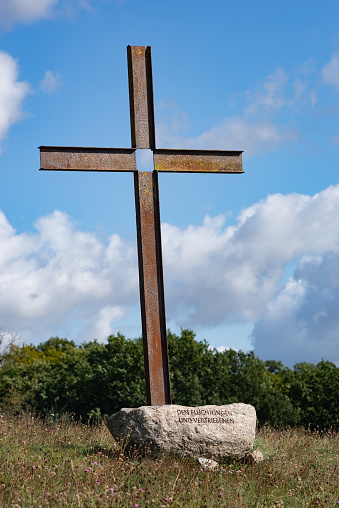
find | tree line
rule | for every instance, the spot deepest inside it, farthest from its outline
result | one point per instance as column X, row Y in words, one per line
column 93, row 380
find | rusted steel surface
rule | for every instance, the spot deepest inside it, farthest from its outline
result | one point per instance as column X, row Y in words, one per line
column 146, row 204
column 152, row 288
column 87, row 159
column 198, row 161
column 141, row 96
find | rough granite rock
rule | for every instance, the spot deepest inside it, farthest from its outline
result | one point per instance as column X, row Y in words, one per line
column 205, row 431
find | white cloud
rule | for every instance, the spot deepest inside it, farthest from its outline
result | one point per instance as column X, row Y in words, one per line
column 214, row 274
column 302, row 321
column 253, row 136
column 221, row 349
column 270, row 95
column 25, row 11
column 28, row 11
column 330, row 71
column 102, row 326
column 59, row 275
column 255, row 129
column 12, row 93
column 50, row 82
column 220, row 274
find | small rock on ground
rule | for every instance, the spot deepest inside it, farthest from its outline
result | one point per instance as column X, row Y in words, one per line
column 254, row 457
column 208, row 463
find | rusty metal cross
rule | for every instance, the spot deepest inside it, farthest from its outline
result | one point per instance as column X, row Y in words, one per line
column 147, row 205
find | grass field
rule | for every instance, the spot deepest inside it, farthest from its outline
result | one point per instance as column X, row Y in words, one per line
column 65, row 463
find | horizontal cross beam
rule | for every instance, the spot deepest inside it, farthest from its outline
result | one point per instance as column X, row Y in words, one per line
column 63, row 158
column 124, row 159
column 198, row 161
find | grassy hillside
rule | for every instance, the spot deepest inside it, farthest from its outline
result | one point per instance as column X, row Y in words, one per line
column 64, row 463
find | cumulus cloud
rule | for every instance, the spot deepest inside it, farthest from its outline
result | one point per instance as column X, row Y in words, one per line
column 50, row 82
column 302, row 322
column 255, row 129
column 12, row 93
column 330, row 71
column 214, row 274
column 59, row 275
column 219, row 273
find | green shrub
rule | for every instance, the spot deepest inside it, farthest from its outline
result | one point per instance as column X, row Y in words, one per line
column 97, row 379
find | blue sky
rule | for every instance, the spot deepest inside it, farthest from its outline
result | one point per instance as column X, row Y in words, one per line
column 250, row 261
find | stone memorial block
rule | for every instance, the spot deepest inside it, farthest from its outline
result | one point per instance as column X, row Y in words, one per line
column 213, row 432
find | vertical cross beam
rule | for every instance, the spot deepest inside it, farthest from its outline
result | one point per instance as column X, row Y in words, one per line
column 152, row 288
column 147, row 208
column 141, row 96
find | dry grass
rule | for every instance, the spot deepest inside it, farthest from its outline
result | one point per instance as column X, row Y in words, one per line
column 68, row 464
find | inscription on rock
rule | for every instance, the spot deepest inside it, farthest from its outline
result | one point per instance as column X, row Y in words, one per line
column 198, row 416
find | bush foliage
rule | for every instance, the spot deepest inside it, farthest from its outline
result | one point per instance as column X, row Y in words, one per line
column 96, row 379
